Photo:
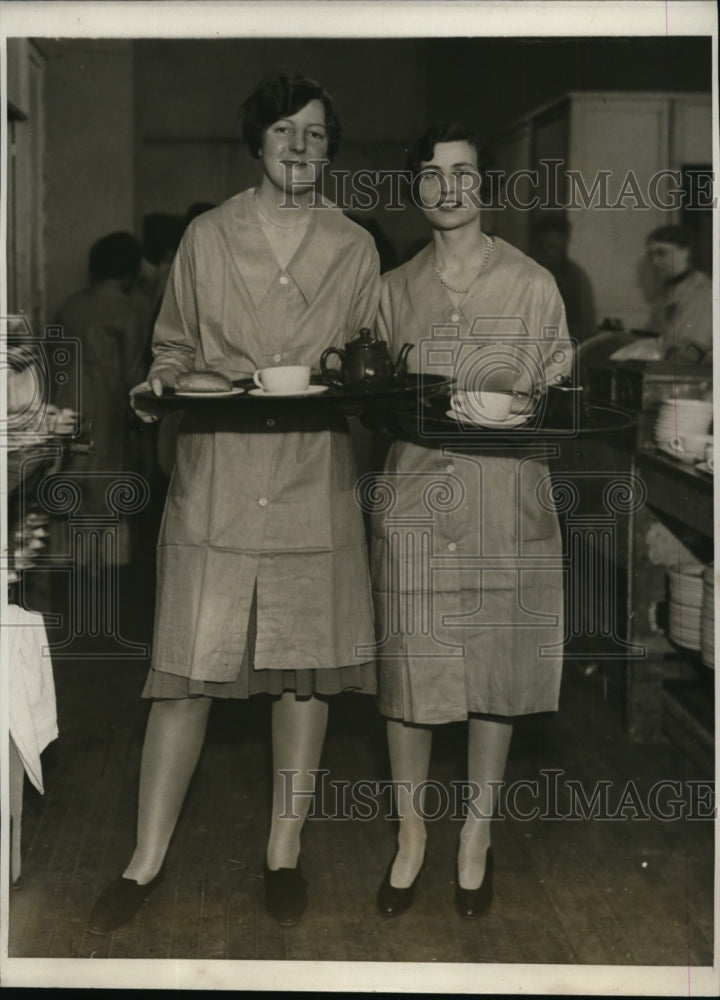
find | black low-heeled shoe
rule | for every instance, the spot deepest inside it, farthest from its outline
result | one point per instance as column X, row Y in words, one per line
column 119, row 902
column 285, row 894
column 392, row 901
column 471, row 903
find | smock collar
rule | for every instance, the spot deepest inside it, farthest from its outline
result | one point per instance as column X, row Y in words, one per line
column 259, row 267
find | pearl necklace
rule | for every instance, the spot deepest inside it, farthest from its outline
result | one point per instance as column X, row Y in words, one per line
column 489, row 245
column 304, row 221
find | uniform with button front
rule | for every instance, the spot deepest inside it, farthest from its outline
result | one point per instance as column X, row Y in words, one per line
column 466, row 544
column 263, row 581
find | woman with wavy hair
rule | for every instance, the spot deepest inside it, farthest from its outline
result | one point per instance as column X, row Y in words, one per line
column 263, row 583
column 466, row 570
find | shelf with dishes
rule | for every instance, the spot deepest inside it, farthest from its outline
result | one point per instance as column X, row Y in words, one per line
column 683, row 430
column 691, row 609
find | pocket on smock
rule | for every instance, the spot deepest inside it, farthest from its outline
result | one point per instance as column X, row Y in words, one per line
column 538, row 519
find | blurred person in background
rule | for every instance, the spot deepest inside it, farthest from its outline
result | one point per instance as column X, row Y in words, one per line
column 550, row 235
column 682, row 311
column 111, row 325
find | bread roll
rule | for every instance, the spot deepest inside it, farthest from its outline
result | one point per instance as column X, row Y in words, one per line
column 203, row 381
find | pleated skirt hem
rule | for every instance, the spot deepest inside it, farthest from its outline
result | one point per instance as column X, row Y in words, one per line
column 360, row 678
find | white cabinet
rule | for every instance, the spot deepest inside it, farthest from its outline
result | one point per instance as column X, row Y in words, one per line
column 604, row 159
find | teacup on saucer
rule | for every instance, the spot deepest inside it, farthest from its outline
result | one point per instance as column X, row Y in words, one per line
column 283, row 378
column 481, row 407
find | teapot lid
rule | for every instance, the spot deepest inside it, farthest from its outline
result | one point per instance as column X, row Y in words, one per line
column 364, row 338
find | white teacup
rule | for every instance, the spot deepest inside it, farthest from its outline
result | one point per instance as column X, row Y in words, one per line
column 283, row 378
column 691, row 447
column 482, row 406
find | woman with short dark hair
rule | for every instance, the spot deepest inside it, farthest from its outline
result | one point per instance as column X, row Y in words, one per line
column 466, row 550
column 263, row 582
column 278, row 97
column 422, row 149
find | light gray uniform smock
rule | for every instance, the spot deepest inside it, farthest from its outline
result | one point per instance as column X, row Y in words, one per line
column 466, row 554
column 261, row 501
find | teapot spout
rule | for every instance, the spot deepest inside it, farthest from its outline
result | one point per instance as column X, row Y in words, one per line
column 400, row 367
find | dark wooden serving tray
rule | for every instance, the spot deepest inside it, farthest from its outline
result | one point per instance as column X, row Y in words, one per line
column 410, row 386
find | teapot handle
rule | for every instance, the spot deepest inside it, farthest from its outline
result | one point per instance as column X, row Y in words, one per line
column 400, row 366
column 332, row 375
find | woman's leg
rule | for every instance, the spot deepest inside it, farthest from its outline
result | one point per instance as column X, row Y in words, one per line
column 173, row 740
column 409, row 748
column 488, row 746
column 298, row 734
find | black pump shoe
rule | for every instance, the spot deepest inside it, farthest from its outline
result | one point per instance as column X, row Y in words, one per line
column 393, row 901
column 119, row 903
column 471, row 903
column 285, row 894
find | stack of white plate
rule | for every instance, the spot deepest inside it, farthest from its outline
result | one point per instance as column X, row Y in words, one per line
column 686, row 597
column 677, row 417
column 707, row 618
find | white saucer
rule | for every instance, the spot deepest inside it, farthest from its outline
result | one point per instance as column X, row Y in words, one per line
column 311, row 390
column 512, row 421
column 704, row 467
column 682, row 457
column 235, row 391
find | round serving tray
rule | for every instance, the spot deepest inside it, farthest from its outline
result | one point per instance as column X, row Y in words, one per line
column 429, row 423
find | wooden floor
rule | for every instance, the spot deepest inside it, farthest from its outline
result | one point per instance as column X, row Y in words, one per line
column 589, row 892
